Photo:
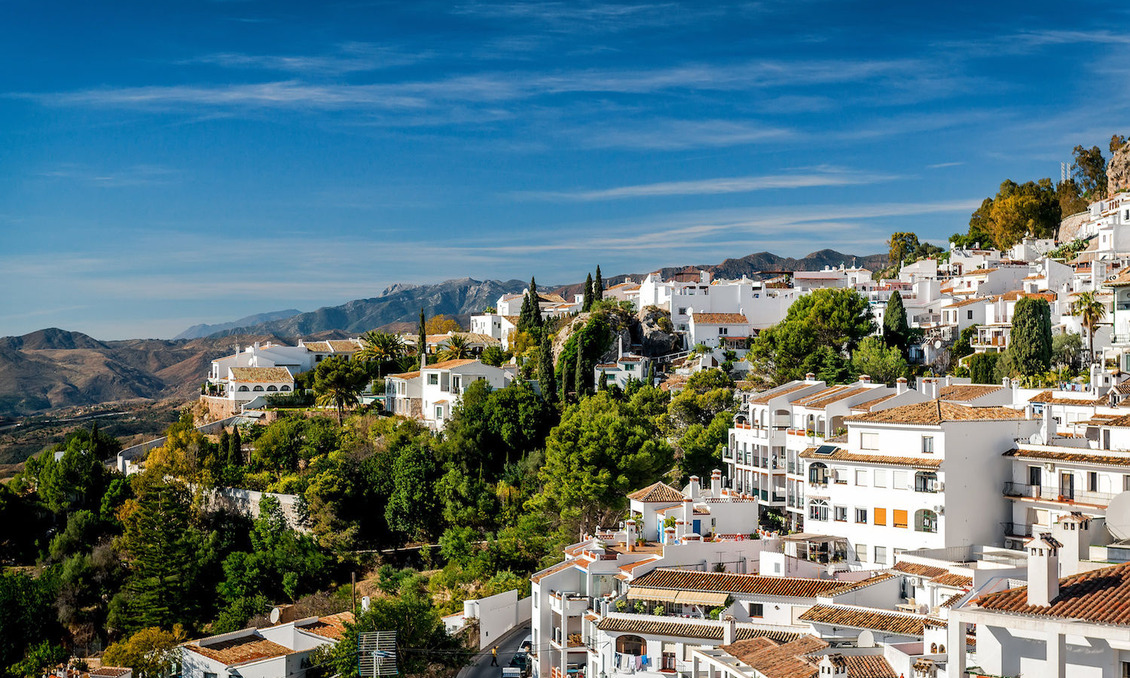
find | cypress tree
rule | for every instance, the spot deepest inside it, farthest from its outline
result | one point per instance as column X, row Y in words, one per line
column 1030, row 343
column 581, row 378
column 650, row 373
column 225, row 446
column 235, row 448
column 567, row 377
column 548, row 381
column 895, row 329
column 603, row 385
column 598, row 286
column 422, row 341
column 586, row 304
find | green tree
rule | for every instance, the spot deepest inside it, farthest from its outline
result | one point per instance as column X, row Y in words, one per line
column 494, row 356
column 979, row 233
column 896, row 331
column 26, row 616
column 602, row 449
column 598, row 286
column 1030, row 342
column 1066, row 348
column 1117, row 141
column 963, row 346
column 568, row 376
column 381, row 349
column 983, row 367
column 901, row 245
column 581, row 378
column 1026, row 209
column 546, row 378
column 882, row 363
column 1091, row 312
column 235, row 448
column 422, row 340
column 587, row 300
column 1089, row 170
column 412, row 508
column 338, row 382
column 827, row 322
column 39, row 659
column 458, row 348
column 1071, row 200
column 151, row 652
column 160, row 554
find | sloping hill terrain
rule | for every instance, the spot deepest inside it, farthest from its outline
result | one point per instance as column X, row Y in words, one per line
column 203, row 330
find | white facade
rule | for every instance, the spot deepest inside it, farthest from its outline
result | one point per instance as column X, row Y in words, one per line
column 432, row 393
column 277, row 651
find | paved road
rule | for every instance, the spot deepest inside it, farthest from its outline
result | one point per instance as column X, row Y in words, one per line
column 480, row 666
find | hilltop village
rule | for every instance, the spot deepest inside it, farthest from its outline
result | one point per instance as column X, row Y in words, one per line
column 921, row 471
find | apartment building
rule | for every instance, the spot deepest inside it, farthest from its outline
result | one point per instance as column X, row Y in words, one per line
column 884, row 490
column 431, row 393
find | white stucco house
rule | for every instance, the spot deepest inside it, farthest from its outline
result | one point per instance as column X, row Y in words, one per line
column 278, row 651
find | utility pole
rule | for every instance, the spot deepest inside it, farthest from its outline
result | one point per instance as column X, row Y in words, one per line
column 353, row 591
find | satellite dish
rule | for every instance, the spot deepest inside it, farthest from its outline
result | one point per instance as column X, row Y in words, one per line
column 276, row 614
column 1118, row 516
column 937, row 343
column 866, row 639
column 1036, row 439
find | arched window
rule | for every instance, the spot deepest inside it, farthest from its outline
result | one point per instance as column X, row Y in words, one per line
column 818, row 473
column 243, row 388
column 284, row 388
column 272, row 388
column 925, row 520
column 941, row 649
column 818, row 510
column 257, row 388
column 633, row 645
column 925, row 481
column 933, row 648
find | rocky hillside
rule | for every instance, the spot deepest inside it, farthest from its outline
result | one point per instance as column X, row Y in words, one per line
column 1118, row 171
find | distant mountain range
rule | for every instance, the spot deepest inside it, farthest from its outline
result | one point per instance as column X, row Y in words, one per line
column 197, row 331
column 54, row 368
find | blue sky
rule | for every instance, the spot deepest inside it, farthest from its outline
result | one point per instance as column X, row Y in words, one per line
column 168, row 163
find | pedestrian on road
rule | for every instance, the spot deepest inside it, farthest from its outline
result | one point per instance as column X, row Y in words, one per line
column 494, row 656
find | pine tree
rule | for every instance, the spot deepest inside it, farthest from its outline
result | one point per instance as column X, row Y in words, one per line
column 422, row 341
column 546, row 378
column 602, row 385
column 581, row 377
column 586, row 304
column 598, row 286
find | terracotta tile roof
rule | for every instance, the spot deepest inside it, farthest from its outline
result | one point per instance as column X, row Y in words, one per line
column 1119, row 422
column 747, row 584
column 935, row 412
column 778, row 661
column 110, row 671
column 827, row 397
column 1084, row 456
column 552, row 569
column 261, row 375
column 657, row 493
column 765, row 396
column 919, row 570
column 966, row 302
column 962, row 392
column 866, row 405
column 869, row 666
column 628, row 568
column 719, row 319
column 1019, row 294
column 1123, row 388
column 552, row 298
column 317, row 346
column 865, row 618
column 949, row 602
column 1100, row 596
column 1050, row 398
column 956, row 581
column 844, row 455
column 332, row 626
column 239, row 650
column 407, row 376
column 450, row 364
column 825, row 392
column 662, row 627
column 1121, row 279
column 344, row 345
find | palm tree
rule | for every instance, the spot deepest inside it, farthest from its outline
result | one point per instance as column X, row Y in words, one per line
column 1091, row 312
column 337, row 383
column 458, row 347
column 381, row 348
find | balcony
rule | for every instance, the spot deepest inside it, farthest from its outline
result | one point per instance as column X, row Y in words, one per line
column 1059, row 495
column 568, row 604
column 1017, row 530
column 727, row 453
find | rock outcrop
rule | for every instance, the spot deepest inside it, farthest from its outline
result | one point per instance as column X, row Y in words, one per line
column 1118, row 171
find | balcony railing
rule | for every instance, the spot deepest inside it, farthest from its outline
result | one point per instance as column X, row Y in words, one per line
column 1065, row 495
column 1017, row 530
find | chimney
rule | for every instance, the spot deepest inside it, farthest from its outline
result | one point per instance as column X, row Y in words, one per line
column 716, row 483
column 729, row 630
column 619, row 347
column 810, row 377
column 900, row 385
column 688, row 516
column 1043, row 569
column 669, row 536
column 1074, row 532
column 1047, row 429
column 629, row 535
column 695, row 488
column 1006, row 382
column 929, row 387
column 865, row 379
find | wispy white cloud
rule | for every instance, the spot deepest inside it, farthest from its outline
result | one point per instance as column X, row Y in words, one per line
column 940, row 165
column 352, row 57
column 715, row 186
column 124, row 177
column 678, row 134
